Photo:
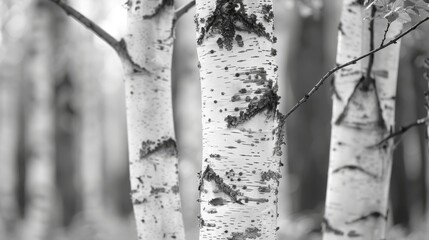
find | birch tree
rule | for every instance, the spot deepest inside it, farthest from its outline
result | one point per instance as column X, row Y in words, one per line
column 363, row 115
column 40, row 165
column 146, row 54
column 241, row 137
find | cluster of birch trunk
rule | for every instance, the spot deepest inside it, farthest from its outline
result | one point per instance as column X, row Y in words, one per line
column 243, row 130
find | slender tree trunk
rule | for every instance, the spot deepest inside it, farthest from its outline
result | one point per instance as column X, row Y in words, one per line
column 9, row 105
column 40, row 179
column 84, row 70
column 8, row 147
column 241, row 139
column 363, row 115
column 151, row 138
column 426, row 77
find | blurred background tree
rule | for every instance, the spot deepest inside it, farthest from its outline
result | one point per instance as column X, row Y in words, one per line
column 89, row 95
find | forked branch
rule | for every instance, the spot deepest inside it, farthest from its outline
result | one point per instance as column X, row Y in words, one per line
column 182, row 10
column 339, row 67
column 403, row 129
column 118, row 46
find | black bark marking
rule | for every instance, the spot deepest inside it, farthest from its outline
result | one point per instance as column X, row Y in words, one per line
column 159, row 8
column 334, row 89
column 157, row 190
column 358, row 2
column 268, row 101
column 340, row 29
column 175, row 189
column 328, row 228
column 149, row 147
column 368, row 79
column 257, row 200
column 139, row 202
column 355, row 168
column 251, row 233
column 125, row 56
column 210, row 175
column 218, row 201
column 268, row 175
column 229, row 17
column 267, row 10
column 359, row 87
column 353, row 234
column 374, row 215
column 280, row 134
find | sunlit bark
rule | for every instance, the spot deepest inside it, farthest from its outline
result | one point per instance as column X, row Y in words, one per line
column 151, row 138
column 241, row 141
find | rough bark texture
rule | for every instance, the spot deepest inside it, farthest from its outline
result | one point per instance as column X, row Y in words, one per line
column 151, row 138
column 241, row 142
column 363, row 115
column 40, row 165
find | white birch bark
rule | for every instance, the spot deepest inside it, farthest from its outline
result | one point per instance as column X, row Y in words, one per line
column 363, row 115
column 241, row 142
column 151, row 139
column 40, row 165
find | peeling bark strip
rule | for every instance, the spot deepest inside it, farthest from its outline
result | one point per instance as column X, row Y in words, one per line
column 152, row 146
column 241, row 145
column 362, row 116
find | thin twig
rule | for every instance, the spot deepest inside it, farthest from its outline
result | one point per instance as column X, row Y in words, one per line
column 403, row 129
column 335, row 69
column 184, row 9
column 385, row 33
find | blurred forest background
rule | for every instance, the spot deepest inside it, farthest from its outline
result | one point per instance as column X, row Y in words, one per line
column 86, row 117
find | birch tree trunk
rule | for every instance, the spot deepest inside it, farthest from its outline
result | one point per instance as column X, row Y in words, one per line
column 40, row 178
column 426, row 77
column 241, row 139
column 151, row 137
column 363, row 115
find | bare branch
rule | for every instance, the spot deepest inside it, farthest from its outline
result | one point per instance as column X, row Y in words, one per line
column 184, row 9
column 335, row 69
column 101, row 33
column 403, row 129
column 119, row 46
